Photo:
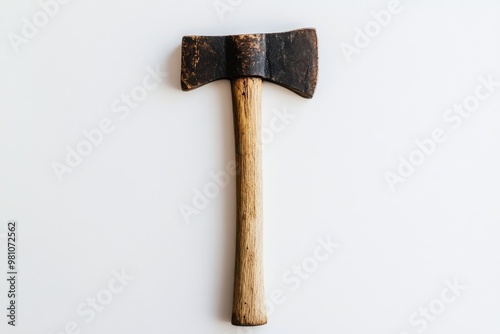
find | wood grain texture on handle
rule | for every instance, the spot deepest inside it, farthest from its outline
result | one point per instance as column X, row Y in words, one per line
column 248, row 300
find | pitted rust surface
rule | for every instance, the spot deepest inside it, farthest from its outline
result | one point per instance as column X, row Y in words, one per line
column 289, row 59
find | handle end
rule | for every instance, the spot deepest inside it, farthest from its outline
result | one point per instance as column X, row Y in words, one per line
column 251, row 319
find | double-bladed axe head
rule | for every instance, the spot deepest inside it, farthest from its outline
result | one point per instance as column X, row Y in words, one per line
column 289, row 59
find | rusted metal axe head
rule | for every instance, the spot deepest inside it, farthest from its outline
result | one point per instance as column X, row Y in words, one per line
column 289, row 59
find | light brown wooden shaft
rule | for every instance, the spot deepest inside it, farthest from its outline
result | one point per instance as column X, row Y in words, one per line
column 248, row 301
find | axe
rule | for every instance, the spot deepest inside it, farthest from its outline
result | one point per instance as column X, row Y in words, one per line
column 289, row 59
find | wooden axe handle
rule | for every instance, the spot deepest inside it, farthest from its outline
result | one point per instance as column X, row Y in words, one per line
column 248, row 300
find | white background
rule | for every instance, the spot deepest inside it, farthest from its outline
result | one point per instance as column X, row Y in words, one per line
column 323, row 172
